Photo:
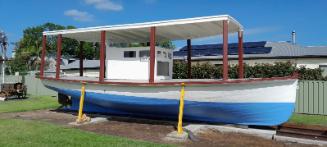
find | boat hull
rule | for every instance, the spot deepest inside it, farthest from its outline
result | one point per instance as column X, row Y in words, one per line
column 265, row 103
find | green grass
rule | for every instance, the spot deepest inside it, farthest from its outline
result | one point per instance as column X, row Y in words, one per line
column 309, row 119
column 15, row 132
column 32, row 103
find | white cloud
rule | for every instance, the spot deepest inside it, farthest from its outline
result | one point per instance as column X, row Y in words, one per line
column 106, row 5
column 79, row 15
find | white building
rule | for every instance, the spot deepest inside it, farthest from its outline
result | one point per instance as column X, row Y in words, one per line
column 124, row 61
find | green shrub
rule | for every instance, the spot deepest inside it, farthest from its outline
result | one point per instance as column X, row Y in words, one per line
column 262, row 70
column 310, row 74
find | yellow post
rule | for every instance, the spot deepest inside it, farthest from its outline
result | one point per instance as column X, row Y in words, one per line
column 81, row 103
column 181, row 110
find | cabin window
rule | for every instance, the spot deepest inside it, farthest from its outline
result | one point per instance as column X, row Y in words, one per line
column 162, row 68
column 164, row 54
column 129, row 54
column 158, row 53
column 144, row 53
column 169, row 56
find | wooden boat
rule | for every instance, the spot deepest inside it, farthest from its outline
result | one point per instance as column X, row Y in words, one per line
column 143, row 86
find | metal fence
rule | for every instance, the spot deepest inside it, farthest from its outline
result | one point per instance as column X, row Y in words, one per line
column 35, row 86
column 312, row 97
column 11, row 79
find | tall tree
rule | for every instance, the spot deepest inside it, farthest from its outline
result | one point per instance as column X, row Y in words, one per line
column 28, row 49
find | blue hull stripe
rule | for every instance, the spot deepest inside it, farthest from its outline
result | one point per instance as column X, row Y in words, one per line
column 267, row 114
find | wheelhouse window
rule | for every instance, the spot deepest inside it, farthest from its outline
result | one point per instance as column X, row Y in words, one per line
column 144, row 53
column 164, row 54
column 169, row 56
column 162, row 68
column 129, row 54
column 158, row 53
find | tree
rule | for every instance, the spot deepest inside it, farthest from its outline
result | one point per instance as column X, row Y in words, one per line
column 167, row 44
column 28, row 49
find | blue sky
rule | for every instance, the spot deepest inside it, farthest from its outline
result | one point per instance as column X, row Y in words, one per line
column 271, row 20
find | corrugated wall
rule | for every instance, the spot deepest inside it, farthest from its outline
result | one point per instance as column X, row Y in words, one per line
column 35, row 87
column 312, row 97
column 11, row 79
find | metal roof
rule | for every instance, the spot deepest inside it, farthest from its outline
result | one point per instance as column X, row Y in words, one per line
column 177, row 29
column 260, row 49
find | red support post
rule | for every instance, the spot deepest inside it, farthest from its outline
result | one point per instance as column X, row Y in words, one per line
column 225, row 50
column 102, row 56
column 240, row 55
column 152, row 53
column 189, row 61
column 44, row 46
column 81, row 57
column 59, row 47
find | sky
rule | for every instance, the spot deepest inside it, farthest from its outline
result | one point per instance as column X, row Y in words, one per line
column 263, row 20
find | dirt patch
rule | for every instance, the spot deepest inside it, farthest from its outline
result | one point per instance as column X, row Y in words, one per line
column 133, row 128
column 52, row 116
column 305, row 126
column 148, row 130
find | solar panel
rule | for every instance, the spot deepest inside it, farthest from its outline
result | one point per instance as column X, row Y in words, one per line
column 216, row 49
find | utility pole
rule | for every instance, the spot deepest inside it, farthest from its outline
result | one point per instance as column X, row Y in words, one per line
column 3, row 44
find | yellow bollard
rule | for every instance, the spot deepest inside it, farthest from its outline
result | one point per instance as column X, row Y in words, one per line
column 81, row 104
column 181, row 109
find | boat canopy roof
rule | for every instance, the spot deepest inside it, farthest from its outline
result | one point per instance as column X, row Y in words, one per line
column 178, row 29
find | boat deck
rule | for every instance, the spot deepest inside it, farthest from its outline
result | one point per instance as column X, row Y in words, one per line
column 163, row 82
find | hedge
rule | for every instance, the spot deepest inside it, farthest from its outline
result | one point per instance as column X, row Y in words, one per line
column 262, row 70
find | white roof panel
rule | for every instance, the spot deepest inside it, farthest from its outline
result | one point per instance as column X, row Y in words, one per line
column 177, row 29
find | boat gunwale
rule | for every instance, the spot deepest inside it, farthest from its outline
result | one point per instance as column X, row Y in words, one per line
column 175, row 83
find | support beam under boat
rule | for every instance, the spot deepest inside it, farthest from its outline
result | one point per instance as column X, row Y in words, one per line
column 152, row 53
column 240, row 55
column 44, row 45
column 102, row 56
column 225, row 50
column 189, row 60
column 81, row 57
column 59, row 47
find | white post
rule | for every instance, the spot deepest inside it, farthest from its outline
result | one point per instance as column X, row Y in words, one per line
column 3, row 63
column 2, row 66
column 3, row 71
column 3, row 44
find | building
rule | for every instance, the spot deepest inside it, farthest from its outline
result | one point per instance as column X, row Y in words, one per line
column 259, row 52
column 90, row 68
column 122, row 62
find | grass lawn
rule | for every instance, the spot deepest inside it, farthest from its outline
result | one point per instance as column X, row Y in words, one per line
column 309, row 119
column 15, row 132
column 32, row 103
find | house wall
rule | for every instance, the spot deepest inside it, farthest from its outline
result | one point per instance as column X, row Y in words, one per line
column 118, row 67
